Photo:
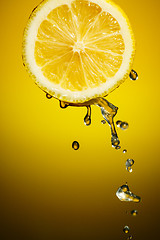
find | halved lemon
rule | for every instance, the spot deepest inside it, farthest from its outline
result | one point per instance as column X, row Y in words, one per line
column 77, row 50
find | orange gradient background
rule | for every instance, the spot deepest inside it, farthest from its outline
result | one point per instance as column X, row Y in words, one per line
column 48, row 190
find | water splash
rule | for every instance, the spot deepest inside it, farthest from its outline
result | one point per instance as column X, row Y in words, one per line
column 129, row 164
column 87, row 119
column 124, row 194
column 75, row 145
column 108, row 111
column 133, row 75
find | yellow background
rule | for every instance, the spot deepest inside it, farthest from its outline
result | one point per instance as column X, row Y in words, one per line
column 48, row 190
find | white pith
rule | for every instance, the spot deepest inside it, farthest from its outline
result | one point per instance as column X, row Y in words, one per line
column 55, row 89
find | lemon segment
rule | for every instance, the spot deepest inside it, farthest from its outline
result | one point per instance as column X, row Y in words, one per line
column 77, row 50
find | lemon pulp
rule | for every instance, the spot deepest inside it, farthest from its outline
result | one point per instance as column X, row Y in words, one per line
column 77, row 49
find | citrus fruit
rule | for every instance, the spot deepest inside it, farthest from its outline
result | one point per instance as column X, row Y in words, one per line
column 77, row 50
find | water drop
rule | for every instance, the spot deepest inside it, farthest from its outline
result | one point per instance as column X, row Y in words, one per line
column 124, row 125
column 87, row 119
column 75, row 145
column 134, row 213
column 63, row 104
column 129, row 238
column 117, row 147
column 124, row 194
column 129, row 164
column 133, row 75
column 126, row 229
column 118, row 123
column 48, row 96
column 103, row 122
column 125, row 150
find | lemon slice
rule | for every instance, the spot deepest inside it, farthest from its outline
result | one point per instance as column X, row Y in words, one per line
column 77, row 50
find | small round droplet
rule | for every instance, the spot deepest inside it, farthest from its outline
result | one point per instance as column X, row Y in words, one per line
column 103, row 122
column 134, row 213
column 117, row 147
column 75, row 145
column 124, row 125
column 126, row 229
column 129, row 238
column 133, row 75
column 48, row 96
column 118, row 123
column 125, row 150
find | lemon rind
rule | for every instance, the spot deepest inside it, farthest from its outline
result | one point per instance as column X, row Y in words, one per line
column 72, row 97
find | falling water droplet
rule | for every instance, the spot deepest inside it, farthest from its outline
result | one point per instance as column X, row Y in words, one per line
column 134, row 213
column 124, row 194
column 117, row 147
column 103, row 122
column 63, row 104
column 125, row 150
column 48, row 96
column 129, row 238
column 124, row 125
column 75, row 145
column 87, row 119
column 118, row 123
column 129, row 164
column 126, row 229
column 133, row 75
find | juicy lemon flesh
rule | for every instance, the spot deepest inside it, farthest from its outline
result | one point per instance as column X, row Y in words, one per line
column 79, row 47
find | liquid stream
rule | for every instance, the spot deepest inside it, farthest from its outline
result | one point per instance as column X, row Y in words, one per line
column 108, row 111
